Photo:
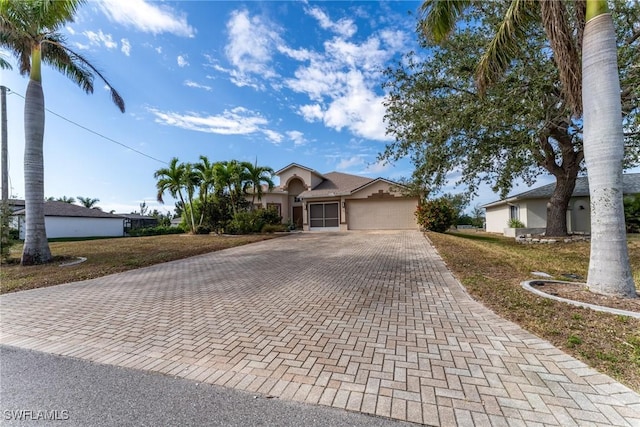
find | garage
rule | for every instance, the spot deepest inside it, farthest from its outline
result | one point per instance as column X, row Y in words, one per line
column 324, row 215
column 386, row 214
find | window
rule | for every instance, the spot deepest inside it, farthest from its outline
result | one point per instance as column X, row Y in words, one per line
column 514, row 212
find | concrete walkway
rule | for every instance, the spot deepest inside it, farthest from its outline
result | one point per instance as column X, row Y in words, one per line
column 371, row 322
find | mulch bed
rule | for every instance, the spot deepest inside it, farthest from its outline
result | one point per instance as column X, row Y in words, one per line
column 579, row 292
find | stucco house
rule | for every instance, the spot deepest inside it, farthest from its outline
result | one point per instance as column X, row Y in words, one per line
column 530, row 207
column 338, row 201
column 68, row 220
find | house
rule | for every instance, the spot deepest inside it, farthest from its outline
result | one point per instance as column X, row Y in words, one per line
column 530, row 207
column 67, row 220
column 15, row 204
column 134, row 221
column 338, row 201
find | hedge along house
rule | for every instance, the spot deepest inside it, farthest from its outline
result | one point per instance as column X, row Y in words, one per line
column 338, row 201
column 67, row 220
column 530, row 207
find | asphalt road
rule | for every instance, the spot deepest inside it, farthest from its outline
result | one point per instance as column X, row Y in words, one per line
column 81, row 393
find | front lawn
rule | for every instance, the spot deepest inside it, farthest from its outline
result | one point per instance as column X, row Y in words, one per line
column 107, row 256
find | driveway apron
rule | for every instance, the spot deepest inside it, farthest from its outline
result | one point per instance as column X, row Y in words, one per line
column 365, row 321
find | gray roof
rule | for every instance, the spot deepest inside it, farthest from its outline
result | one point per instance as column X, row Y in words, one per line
column 135, row 216
column 52, row 208
column 336, row 184
column 630, row 185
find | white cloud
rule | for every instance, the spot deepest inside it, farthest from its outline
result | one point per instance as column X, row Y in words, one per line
column 126, row 47
column 159, row 49
column 147, row 17
column 345, row 164
column 273, row 136
column 378, row 167
column 70, row 30
column 251, row 41
column 311, row 113
column 344, row 26
column 193, row 84
column 297, row 137
column 100, row 39
column 237, row 121
column 182, row 61
column 344, row 81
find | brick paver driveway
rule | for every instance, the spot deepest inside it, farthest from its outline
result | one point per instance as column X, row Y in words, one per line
column 370, row 322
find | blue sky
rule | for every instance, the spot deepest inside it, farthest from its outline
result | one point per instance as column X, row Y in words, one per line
column 278, row 81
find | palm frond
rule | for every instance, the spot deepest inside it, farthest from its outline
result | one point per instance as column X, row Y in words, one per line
column 55, row 55
column 439, row 17
column 81, row 62
column 565, row 52
column 505, row 45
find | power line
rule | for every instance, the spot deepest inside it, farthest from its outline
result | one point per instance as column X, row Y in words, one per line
column 94, row 132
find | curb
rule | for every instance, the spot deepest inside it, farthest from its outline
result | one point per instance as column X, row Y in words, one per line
column 528, row 286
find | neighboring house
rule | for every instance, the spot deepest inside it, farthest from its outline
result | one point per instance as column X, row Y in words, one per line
column 15, row 204
column 68, row 220
column 338, row 201
column 530, row 207
column 135, row 221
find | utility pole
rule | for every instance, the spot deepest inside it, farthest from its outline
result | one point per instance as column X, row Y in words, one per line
column 5, row 149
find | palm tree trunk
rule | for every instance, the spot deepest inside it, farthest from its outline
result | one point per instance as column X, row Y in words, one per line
column 36, row 247
column 609, row 270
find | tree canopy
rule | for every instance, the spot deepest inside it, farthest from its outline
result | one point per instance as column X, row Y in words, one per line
column 519, row 128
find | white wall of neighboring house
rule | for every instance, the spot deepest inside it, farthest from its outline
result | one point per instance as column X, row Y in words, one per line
column 536, row 213
column 497, row 218
column 59, row 226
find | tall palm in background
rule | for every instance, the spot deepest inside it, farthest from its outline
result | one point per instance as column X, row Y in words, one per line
column 175, row 178
column 207, row 175
column 29, row 30
column 593, row 89
column 88, row 202
column 256, row 176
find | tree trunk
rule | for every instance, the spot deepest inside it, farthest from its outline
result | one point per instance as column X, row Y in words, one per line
column 609, row 270
column 558, row 205
column 36, row 247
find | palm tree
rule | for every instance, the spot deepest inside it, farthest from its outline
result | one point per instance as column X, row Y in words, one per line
column 29, row 30
column 207, row 175
column 88, row 202
column 233, row 176
column 65, row 199
column 594, row 89
column 175, row 179
column 256, row 176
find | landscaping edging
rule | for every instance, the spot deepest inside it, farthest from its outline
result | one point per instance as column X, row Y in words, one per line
column 527, row 285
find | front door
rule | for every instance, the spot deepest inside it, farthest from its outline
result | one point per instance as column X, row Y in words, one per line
column 297, row 217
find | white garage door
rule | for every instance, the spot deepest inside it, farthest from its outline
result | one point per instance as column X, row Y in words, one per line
column 389, row 214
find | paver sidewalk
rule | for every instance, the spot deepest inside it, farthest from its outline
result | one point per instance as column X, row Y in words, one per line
column 371, row 322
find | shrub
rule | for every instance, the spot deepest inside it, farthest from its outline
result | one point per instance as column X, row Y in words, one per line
column 8, row 235
column 436, row 215
column 516, row 223
column 155, row 231
column 203, row 229
column 254, row 221
column 242, row 223
column 272, row 228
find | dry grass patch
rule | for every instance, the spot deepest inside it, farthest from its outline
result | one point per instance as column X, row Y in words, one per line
column 107, row 256
column 491, row 268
